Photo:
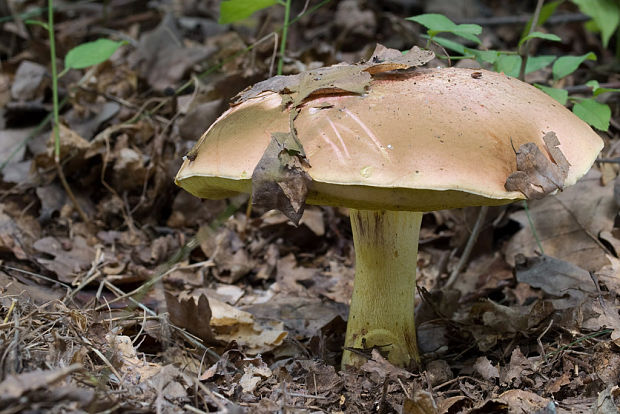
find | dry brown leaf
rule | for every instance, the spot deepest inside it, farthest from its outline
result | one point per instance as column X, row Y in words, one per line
column 280, row 180
column 487, row 370
column 555, row 384
column 70, row 257
column 556, row 278
column 162, row 58
column 518, row 367
column 421, row 403
column 521, row 401
column 183, row 311
column 382, row 368
column 133, row 369
column 438, row 371
column 253, row 375
column 333, row 79
column 567, row 224
column 386, row 60
column 606, row 401
column 536, row 176
column 289, row 274
column 254, row 337
column 606, row 317
column 322, row 378
column 15, row 386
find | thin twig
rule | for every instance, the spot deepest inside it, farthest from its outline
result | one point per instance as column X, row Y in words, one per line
column 539, row 340
column 473, row 237
column 504, row 20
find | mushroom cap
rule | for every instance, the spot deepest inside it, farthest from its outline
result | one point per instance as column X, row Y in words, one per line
column 433, row 139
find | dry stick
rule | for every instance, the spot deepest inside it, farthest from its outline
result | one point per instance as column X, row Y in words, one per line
column 473, row 237
column 504, row 20
column 526, row 49
column 539, row 340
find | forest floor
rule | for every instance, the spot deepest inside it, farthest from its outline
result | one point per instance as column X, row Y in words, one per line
column 162, row 302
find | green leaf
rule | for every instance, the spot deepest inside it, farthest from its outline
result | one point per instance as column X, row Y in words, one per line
column 594, row 113
column 566, row 65
column 597, row 90
column 560, row 95
column 91, row 53
column 540, row 35
column 449, row 44
column 605, row 13
column 438, row 23
column 488, row 56
column 535, row 63
column 234, row 10
column 509, row 64
column 545, row 12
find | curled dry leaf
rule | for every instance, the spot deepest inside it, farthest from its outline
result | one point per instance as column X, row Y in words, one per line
column 253, row 375
column 487, row 370
column 134, row 369
column 232, row 324
column 536, row 175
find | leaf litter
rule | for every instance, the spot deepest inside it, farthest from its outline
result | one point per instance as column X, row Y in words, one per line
column 114, row 314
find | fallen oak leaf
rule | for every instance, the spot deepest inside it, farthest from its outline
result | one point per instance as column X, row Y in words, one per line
column 536, row 175
column 183, row 312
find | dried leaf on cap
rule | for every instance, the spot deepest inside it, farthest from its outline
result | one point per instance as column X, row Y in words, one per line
column 536, row 175
column 279, row 180
column 339, row 78
column 280, row 83
column 385, row 59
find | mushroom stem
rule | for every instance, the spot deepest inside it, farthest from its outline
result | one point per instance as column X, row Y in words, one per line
column 382, row 307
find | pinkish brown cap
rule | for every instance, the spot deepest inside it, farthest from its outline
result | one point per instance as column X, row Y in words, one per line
column 428, row 140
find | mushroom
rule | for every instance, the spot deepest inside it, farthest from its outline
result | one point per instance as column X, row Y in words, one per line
column 408, row 143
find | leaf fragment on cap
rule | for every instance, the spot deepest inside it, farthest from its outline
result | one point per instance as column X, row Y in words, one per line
column 280, row 180
column 536, row 175
column 339, row 78
column 385, row 59
column 280, row 84
column 332, row 79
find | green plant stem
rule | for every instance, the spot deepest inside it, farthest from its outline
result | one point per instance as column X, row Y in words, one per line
column 56, row 111
column 287, row 15
column 526, row 47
